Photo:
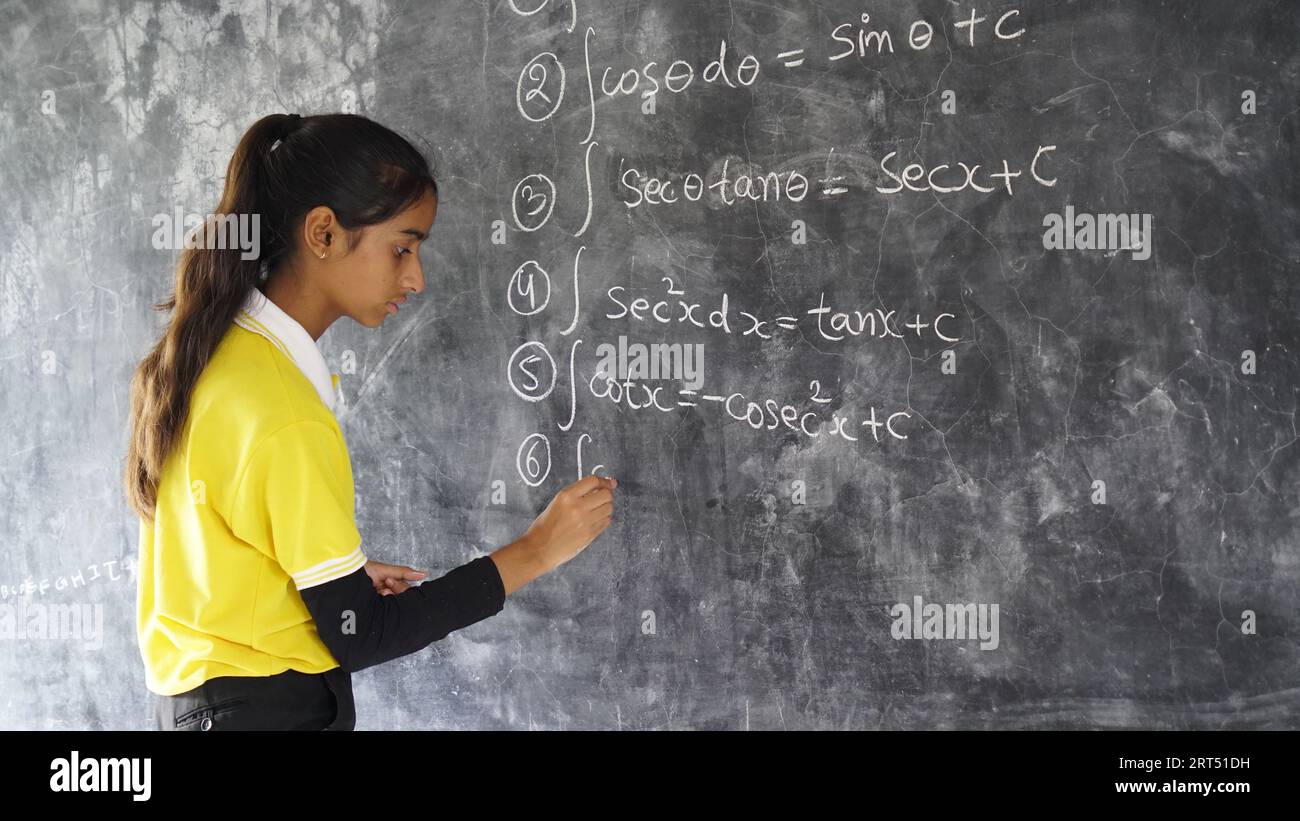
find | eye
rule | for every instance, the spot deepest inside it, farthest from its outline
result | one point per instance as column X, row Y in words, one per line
column 400, row 250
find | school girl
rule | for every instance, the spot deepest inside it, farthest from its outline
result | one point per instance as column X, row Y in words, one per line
column 257, row 598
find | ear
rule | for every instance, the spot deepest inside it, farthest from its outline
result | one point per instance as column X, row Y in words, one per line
column 320, row 231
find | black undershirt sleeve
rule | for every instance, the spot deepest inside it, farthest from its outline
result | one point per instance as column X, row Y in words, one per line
column 363, row 628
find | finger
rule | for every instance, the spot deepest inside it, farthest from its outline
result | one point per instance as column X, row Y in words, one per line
column 393, row 571
column 587, row 484
column 597, row 523
column 598, row 499
column 583, row 487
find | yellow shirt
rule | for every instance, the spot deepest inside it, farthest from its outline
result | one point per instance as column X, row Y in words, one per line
column 255, row 503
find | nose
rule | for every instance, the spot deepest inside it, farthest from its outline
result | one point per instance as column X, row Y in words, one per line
column 415, row 284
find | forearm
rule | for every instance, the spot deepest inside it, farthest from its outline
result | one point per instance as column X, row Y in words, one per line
column 519, row 563
column 363, row 628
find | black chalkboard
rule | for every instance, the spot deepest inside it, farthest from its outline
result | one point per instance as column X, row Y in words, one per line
column 994, row 309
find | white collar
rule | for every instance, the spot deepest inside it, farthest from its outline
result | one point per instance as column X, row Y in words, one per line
column 262, row 316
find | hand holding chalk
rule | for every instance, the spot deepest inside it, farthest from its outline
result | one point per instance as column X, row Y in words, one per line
column 574, row 518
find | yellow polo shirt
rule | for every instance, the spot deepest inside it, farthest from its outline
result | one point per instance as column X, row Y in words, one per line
column 255, row 503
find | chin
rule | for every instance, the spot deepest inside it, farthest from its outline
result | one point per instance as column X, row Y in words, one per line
column 370, row 321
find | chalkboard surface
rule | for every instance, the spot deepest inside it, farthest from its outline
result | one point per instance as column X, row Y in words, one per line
column 979, row 326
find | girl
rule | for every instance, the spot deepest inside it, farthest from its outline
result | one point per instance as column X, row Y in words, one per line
column 256, row 599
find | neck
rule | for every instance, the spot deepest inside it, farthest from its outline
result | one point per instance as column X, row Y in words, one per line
column 308, row 306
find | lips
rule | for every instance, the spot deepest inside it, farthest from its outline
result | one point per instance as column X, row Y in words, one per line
column 393, row 304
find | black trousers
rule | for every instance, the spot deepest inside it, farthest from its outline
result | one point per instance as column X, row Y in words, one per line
column 286, row 701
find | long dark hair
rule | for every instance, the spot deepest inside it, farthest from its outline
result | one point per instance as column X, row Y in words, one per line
column 365, row 172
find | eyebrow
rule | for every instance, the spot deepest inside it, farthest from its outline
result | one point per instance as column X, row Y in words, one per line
column 418, row 234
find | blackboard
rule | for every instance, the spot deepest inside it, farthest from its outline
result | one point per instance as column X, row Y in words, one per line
column 1056, row 242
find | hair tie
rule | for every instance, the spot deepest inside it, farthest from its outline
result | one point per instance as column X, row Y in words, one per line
column 290, row 126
